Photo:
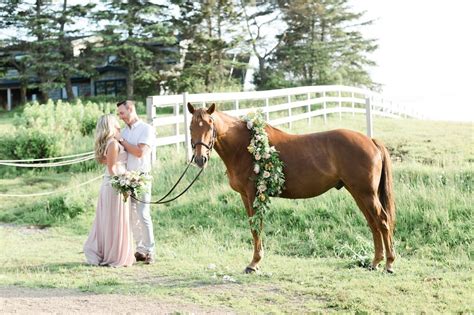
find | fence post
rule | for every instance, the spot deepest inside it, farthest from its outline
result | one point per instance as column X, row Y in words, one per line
column 290, row 124
column 187, row 132
column 340, row 104
column 176, row 128
column 309, row 108
column 9, row 99
column 236, row 105
column 150, row 110
column 267, row 107
column 352, row 96
column 325, row 108
column 151, row 114
column 368, row 115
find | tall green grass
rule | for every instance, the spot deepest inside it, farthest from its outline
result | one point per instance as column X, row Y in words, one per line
column 302, row 271
column 433, row 182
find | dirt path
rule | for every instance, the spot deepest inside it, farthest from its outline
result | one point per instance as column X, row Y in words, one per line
column 15, row 300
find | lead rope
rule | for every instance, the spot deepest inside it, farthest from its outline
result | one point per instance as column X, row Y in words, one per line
column 160, row 201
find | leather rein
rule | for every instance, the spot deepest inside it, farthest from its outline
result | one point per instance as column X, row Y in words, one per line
column 209, row 147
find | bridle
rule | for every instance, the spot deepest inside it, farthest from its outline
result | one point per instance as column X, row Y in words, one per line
column 193, row 145
column 209, row 146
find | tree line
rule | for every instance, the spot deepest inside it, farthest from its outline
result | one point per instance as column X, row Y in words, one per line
column 181, row 45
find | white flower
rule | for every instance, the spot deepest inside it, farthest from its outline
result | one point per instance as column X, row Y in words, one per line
column 261, row 188
column 258, row 156
column 266, row 156
column 249, row 124
column 272, row 149
column 266, row 174
column 256, row 169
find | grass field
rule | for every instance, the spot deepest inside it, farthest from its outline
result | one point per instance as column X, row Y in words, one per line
column 313, row 247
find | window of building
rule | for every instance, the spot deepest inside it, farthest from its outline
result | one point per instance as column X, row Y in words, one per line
column 110, row 87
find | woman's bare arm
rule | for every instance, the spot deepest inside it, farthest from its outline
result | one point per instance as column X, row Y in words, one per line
column 111, row 157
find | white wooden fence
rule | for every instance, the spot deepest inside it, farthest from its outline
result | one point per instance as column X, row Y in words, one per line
column 292, row 104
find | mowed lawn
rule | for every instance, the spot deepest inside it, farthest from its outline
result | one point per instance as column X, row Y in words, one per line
column 314, row 248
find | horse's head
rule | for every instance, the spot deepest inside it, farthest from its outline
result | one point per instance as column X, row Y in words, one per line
column 203, row 133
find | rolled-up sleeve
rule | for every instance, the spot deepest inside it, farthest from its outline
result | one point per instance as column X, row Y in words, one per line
column 147, row 136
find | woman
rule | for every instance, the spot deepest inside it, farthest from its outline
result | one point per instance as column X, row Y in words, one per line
column 110, row 240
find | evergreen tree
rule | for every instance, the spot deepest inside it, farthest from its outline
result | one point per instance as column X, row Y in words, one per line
column 211, row 30
column 11, row 21
column 259, row 19
column 135, row 32
column 67, row 30
column 323, row 44
column 44, row 32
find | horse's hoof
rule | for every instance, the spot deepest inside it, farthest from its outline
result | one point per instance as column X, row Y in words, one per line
column 390, row 270
column 372, row 268
column 250, row 270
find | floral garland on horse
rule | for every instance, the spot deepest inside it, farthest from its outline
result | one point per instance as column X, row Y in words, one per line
column 268, row 168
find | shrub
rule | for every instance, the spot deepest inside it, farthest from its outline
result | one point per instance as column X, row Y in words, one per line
column 62, row 117
column 48, row 130
column 48, row 212
column 30, row 144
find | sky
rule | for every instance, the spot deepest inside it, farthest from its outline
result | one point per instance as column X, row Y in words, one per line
column 426, row 54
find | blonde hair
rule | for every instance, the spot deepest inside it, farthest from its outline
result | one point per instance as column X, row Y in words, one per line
column 104, row 131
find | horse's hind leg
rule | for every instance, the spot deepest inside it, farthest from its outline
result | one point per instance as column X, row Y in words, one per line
column 257, row 241
column 378, row 214
column 376, row 233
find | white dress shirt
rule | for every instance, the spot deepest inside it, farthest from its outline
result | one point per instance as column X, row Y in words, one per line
column 143, row 133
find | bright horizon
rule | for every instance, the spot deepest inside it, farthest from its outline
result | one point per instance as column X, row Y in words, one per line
column 425, row 56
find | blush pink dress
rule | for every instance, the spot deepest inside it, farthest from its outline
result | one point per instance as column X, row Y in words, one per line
column 110, row 240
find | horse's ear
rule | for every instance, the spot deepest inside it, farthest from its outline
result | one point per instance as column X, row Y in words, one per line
column 211, row 109
column 190, row 108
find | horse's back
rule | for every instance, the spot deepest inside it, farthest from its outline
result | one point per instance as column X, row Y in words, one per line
column 317, row 162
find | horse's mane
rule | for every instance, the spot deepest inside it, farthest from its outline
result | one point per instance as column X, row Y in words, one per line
column 239, row 120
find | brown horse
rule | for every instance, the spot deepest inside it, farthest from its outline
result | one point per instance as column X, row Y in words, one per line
column 314, row 163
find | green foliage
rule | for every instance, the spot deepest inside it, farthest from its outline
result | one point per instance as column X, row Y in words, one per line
column 51, row 211
column 322, row 45
column 62, row 117
column 50, row 130
column 132, row 33
column 30, row 144
column 208, row 58
column 268, row 168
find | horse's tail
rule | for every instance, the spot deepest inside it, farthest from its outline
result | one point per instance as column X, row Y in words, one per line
column 385, row 190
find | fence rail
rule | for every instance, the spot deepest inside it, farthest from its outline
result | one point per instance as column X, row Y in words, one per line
column 292, row 104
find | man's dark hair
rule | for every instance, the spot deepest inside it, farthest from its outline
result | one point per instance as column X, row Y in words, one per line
column 126, row 103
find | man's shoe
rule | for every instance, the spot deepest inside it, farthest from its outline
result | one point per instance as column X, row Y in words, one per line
column 149, row 259
column 140, row 256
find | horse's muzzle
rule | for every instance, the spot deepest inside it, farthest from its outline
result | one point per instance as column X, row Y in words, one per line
column 201, row 161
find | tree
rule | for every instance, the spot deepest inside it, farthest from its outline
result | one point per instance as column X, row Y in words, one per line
column 212, row 30
column 12, row 57
column 66, row 32
column 259, row 20
column 134, row 31
column 323, row 44
column 42, row 49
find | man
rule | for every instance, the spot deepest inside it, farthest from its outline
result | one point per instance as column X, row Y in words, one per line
column 138, row 139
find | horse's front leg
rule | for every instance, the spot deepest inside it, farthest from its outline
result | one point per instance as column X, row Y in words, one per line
column 257, row 241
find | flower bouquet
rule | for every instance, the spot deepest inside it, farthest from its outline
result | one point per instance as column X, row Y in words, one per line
column 130, row 183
